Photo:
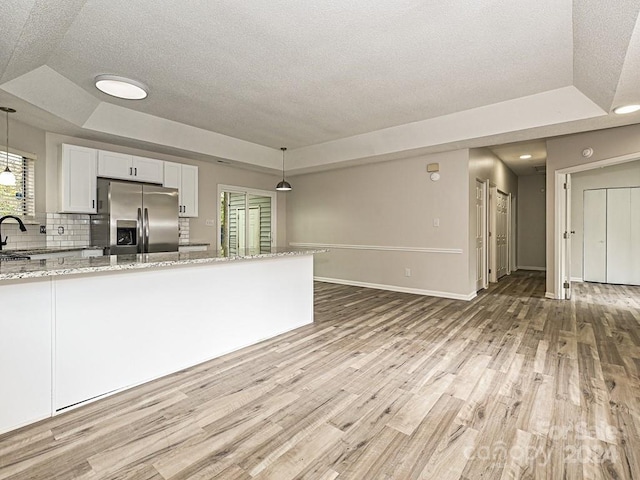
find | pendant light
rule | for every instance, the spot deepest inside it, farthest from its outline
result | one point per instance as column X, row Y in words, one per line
column 7, row 177
column 283, row 186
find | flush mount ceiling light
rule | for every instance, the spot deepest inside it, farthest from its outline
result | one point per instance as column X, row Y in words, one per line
column 626, row 109
column 283, row 186
column 7, row 177
column 525, row 156
column 121, row 87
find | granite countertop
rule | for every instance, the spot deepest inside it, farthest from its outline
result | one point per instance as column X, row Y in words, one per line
column 45, row 250
column 68, row 266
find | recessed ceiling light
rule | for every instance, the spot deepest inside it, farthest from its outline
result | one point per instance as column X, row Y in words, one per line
column 525, row 157
column 626, row 109
column 121, row 87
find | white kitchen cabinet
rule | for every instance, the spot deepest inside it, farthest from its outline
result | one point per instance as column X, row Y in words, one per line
column 129, row 167
column 185, row 179
column 78, row 172
column 25, row 352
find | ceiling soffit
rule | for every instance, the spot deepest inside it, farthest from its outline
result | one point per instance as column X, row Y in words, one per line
column 364, row 88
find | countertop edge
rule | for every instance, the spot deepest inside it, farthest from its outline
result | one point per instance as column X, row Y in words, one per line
column 143, row 262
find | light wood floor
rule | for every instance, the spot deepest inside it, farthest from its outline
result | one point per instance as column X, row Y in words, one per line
column 384, row 386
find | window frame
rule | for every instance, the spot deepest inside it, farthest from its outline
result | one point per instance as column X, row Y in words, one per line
column 25, row 207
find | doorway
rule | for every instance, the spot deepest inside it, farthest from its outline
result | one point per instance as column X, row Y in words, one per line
column 499, row 234
column 481, row 233
column 562, row 273
column 242, row 233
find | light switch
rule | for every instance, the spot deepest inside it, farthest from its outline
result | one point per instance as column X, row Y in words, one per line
column 436, row 222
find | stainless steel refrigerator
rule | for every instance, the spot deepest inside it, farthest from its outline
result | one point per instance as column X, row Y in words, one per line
column 135, row 218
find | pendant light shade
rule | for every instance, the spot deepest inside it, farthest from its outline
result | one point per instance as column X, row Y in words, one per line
column 283, row 186
column 7, row 177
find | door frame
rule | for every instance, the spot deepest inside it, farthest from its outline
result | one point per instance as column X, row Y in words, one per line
column 561, row 268
column 247, row 191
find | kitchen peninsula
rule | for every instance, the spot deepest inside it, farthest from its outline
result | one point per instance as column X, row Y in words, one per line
column 72, row 330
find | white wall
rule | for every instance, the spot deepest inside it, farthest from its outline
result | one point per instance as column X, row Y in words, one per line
column 532, row 215
column 378, row 220
column 210, row 175
column 623, row 175
column 565, row 152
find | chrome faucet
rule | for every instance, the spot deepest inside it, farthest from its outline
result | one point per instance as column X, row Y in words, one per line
column 22, row 228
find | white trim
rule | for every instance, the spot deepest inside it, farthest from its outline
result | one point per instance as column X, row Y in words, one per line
column 549, row 295
column 537, row 269
column 395, row 288
column 386, row 248
column 577, row 279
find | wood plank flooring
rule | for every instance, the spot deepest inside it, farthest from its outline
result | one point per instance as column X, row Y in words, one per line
column 383, row 386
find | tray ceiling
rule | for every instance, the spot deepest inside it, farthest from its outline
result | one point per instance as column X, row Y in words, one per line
column 336, row 82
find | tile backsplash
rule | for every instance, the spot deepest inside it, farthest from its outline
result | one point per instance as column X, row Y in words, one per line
column 183, row 231
column 63, row 230
column 30, row 239
column 68, row 230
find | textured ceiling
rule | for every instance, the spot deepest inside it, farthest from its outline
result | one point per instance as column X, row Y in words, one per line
column 313, row 75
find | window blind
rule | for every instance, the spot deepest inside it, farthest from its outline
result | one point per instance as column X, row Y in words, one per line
column 18, row 199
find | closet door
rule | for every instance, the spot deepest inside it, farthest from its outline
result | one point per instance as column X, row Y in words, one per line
column 619, row 235
column 635, row 236
column 594, row 256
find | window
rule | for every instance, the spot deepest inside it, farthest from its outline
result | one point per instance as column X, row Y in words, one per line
column 241, row 233
column 18, row 199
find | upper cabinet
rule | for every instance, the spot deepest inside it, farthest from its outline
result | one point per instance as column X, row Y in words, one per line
column 78, row 168
column 185, row 179
column 129, row 167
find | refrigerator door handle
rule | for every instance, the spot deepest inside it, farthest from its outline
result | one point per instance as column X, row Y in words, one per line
column 146, row 230
column 140, row 237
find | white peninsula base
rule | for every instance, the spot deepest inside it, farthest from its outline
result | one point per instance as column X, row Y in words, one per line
column 98, row 333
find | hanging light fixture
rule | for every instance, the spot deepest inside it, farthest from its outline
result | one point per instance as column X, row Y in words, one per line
column 283, row 186
column 7, row 177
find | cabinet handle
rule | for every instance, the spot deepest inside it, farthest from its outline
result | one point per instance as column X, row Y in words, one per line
column 130, row 171
column 93, row 204
column 136, row 171
column 184, row 209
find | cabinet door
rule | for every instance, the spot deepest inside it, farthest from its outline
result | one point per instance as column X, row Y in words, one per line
column 189, row 191
column 78, row 169
column 148, row 170
column 115, row 165
column 172, row 175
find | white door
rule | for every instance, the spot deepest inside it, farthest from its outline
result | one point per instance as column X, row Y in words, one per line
column 493, row 253
column 618, row 235
column 594, row 268
column 635, row 236
column 502, row 234
column 480, row 234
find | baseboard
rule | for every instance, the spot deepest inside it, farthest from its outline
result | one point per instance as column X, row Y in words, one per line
column 537, row 269
column 577, row 279
column 395, row 288
column 549, row 295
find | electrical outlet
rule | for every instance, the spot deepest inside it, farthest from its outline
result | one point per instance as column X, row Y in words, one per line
column 60, row 230
column 43, row 229
column 407, row 272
